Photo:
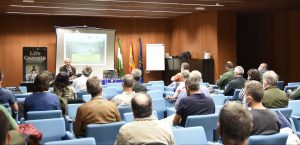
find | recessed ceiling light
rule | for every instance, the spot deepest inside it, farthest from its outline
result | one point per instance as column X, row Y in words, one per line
column 28, row 1
column 199, row 8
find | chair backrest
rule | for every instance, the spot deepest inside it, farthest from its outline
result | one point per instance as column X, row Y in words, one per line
column 218, row 109
column 128, row 117
column 274, row 139
column 52, row 129
column 23, row 89
column 109, row 92
column 72, row 109
column 156, row 94
column 105, row 134
column 218, row 99
column 294, row 105
column 236, row 95
column 190, row 136
column 280, row 85
column 118, row 86
column 292, row 88
column 156, row 87
column 160, row 82
column 86, row 98
column 34, row 115
column 209, row 123
column 79, row 94
column 159, row 105
column 80, row 141
column 124, row 109
column 294, row 84
column 284, row 111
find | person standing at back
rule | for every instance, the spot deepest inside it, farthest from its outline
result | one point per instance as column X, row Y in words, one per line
column 41, row 99
column 227, row 76
column 96, row 111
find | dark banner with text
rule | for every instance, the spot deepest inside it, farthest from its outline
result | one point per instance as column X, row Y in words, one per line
column 34, row 61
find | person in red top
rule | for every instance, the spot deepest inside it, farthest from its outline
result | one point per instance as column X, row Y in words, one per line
column 178, row 77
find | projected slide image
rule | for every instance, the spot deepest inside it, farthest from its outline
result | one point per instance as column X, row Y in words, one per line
column 85, row 49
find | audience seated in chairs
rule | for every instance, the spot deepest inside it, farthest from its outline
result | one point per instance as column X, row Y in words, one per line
column 98, row 110
column 237, row 83
column 195, row 104
column 203, row 89
column 6, row 96
column 145, row 129
column 273, row 96
column 235, row 124
column 126, row 96
column 294, row 95
column 41, row 99
column 181, row 87
column 80, row 83
column 137, row 86
column 265, row 121
column 63, row 90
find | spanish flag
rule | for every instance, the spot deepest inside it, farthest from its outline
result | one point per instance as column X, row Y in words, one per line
column 131, row 57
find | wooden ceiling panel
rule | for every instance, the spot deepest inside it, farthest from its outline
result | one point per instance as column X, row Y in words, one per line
column 139, row 8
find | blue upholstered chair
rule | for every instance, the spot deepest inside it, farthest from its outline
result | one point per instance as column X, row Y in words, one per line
column 105, row 134
column 52, row 129
column 292, row 88
column 159, row 105
column 295, row 106
column 109, row 92
column 209, row 123
column 86, row 98
column 79, row 94
column 236, row 95
column 72, row 109
column 118, row 86
column 171, row 111
column 156, row 87
column 274, row 139
column 34, row 115
column 190, row 136
column 80, row 141
column 218, row 109
column 128, row 117
column 159, row 82
column 124, row 109
column 218, row 99
column 294, row 84
column 285, row 111
column 156, row 94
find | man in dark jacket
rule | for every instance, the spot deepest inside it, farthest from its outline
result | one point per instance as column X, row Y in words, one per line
column 237, row 83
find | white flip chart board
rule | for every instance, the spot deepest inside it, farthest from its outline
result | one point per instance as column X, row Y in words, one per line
column 155, row 57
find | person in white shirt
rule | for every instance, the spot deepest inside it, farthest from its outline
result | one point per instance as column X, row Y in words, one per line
column 80, row 83
column 126, row 96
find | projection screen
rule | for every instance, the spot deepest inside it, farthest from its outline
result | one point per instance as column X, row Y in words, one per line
column 85, row 46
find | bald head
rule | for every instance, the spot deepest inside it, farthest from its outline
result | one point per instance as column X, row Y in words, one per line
column 141, row 105
column 229, row 65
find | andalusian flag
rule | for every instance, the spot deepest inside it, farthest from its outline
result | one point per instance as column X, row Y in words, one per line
column 120, row 60
column 131, row 57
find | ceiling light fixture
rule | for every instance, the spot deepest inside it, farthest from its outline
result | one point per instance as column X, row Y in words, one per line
column 199, row 8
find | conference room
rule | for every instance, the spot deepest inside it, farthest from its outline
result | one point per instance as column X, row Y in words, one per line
column 132, row 50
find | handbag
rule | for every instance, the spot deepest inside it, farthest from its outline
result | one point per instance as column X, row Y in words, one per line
column 32, row 134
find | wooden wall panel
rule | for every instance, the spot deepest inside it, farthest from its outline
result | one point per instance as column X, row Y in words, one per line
column 19, row 31
column 226, row 41
column 212, row 32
